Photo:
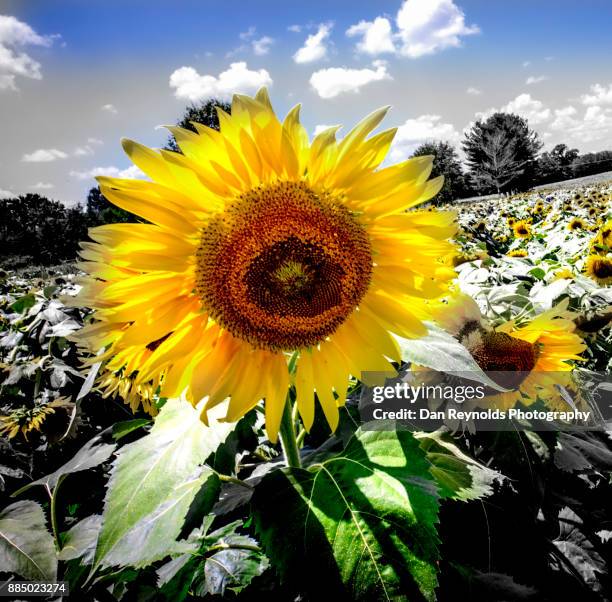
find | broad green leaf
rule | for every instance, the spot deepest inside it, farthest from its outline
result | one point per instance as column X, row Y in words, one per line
column 582, row 451
column 121, row 429
column 151, row 538
column 232, row 568
column 458, row 476
column 154, row 480
column 358, row 526
column 212, row 563
column 24, row 303
column 577, row 548
column 80, row 540
column 442, row 352
column 90, row 455
column 26, row 547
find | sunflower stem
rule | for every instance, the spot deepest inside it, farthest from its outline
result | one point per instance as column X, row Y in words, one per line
column 287, row 436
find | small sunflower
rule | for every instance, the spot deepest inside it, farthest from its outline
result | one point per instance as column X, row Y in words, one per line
column 599, row 268
column 517, row 253
column 563, row 274
column 261, row 248
column 576, row 224
column 521, row 229
column 528, row 359
column 511, row 221
column 539, row 350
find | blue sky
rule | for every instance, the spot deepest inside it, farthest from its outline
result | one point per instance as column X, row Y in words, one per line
column 75, row 77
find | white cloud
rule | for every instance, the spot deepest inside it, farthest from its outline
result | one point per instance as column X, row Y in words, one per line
column 526, row 64
column 428, row 26
column 600, row 95
column 262, row 45
column 96, row 141
column 44, row 155
column 413, row 132
column 422, row 27
column 523, row 105
column 42, row 186
column 328, row 83
column 7, row 194
column 473, row 91
column 376, row 36
column 314, row 48
column 564, row 118
column 248, row 34
column 14, row 35
column 83, row 151
column 531, row 109
column 190, row 85
column 536, row 79
column 593, row 127
column 294, row 28
column 111, row 171
column 109, row 108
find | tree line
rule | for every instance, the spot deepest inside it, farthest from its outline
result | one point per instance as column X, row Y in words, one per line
column 502, row 153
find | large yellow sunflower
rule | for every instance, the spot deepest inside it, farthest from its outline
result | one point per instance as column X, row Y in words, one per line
column 263, row 248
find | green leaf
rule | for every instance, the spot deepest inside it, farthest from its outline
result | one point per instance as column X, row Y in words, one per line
column 121, row 429
column 537, row 273
column 80, row 540
column 577, row 548
column 212, row 563
column 442, row 352
column 153, row 481
column 458, row 476
column 26, row 547
column 90, row 455
column 232, row 568
column 359, row 526
column 152, row 537
column 24, row 303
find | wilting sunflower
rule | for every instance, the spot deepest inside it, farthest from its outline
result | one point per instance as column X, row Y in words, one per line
column 521, row 229
column 599, row 268
column 265, row 250
column 531, row 358
column 26, row 419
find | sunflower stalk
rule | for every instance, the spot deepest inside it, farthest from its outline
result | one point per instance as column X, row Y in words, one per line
column 288, row 437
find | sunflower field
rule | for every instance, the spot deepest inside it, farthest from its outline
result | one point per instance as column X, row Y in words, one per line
column 180, row 410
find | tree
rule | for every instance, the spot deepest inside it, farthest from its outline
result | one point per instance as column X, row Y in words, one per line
column 501, row 153
column 556, row 165
column 446, row 163
column 39, row 231
column 204, row 113
column 101, row 211
column 592, row 163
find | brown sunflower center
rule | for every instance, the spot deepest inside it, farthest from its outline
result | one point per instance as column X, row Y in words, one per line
column 602, row 268
column 283, row 266
column 508, row 358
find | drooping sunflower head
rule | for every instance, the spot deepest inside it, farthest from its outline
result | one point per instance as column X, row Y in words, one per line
column 529, row 359
column 521, row 229
column 599, row 268
column 261, row 246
